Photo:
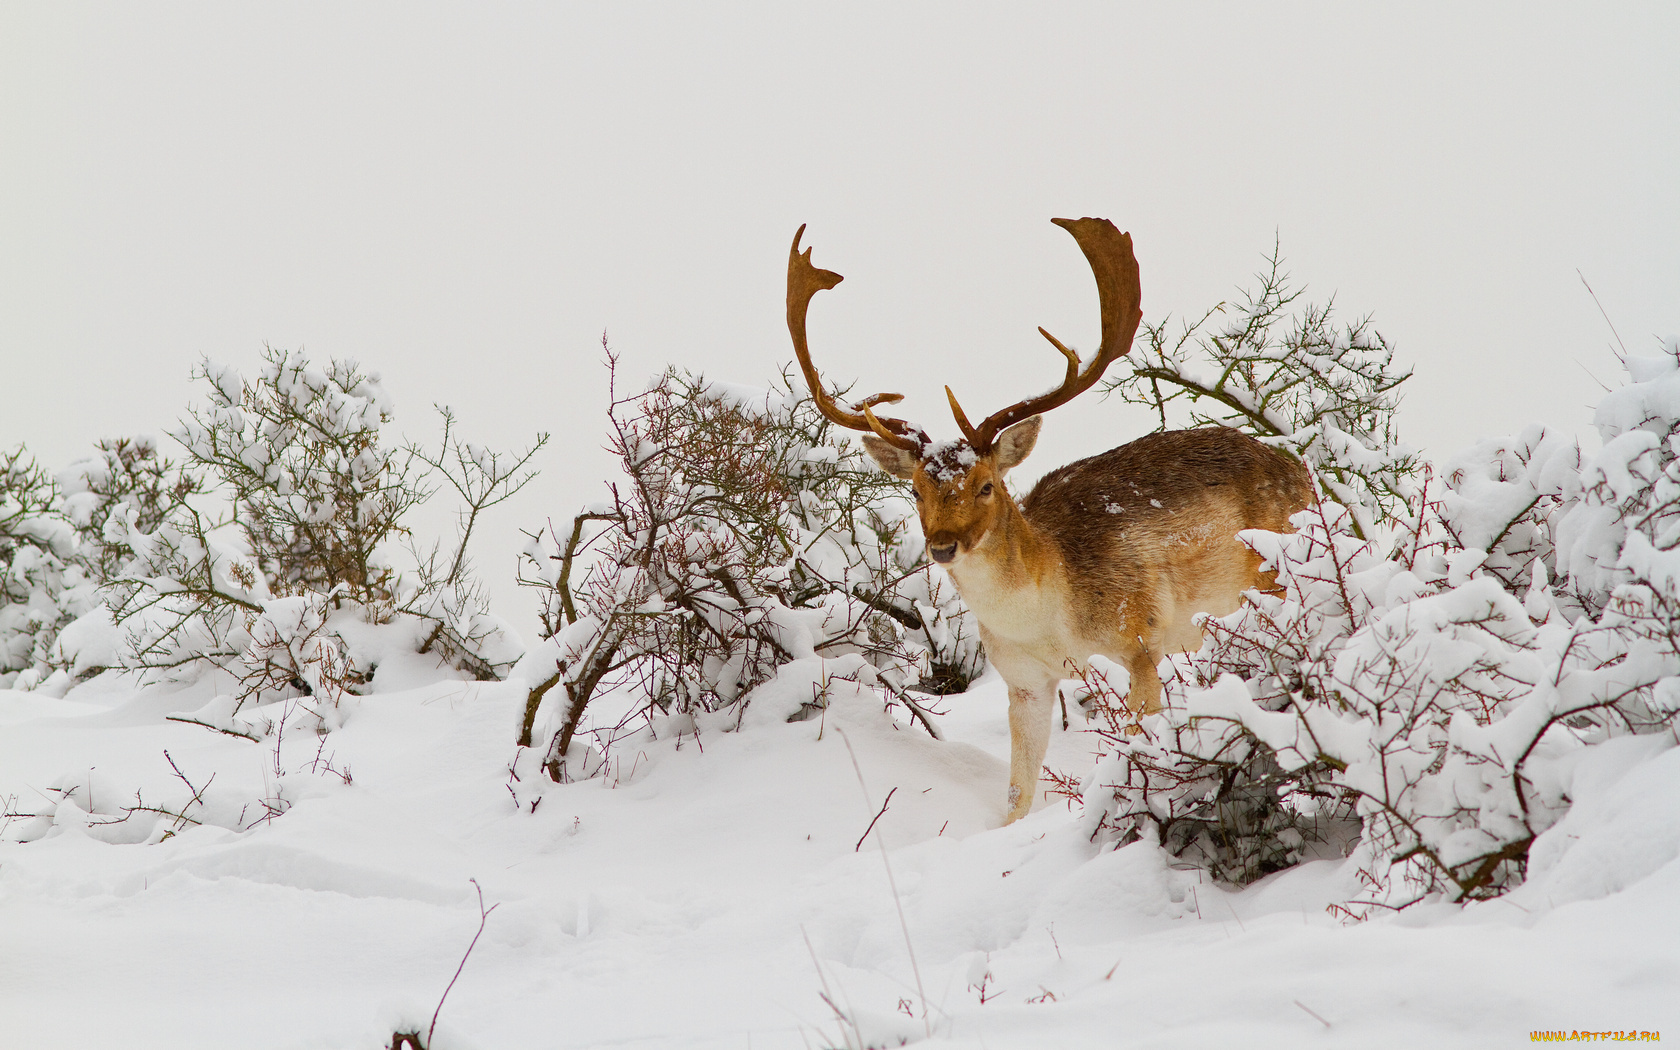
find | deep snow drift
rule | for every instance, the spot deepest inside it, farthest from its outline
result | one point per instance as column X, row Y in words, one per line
column 707, row 892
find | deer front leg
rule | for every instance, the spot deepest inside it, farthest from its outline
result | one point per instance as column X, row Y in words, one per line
column 1029, row 739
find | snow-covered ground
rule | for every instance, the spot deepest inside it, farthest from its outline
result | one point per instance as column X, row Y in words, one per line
column 708, row 892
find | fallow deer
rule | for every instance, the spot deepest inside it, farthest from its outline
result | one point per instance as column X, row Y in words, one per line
column 1110, row 555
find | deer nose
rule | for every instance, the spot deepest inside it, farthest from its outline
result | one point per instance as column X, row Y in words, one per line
column 943, row 554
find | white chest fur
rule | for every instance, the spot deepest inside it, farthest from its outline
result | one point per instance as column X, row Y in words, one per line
column 1024, row 622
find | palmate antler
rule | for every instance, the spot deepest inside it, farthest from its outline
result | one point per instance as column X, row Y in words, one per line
column 804, row 281
column 1119, row 292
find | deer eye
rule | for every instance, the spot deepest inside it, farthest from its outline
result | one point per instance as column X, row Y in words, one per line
column 986, row 489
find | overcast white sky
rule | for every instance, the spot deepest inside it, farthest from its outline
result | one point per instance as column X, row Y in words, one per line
column 464, row 197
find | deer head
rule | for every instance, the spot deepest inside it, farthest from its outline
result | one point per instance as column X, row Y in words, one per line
column 959, row 489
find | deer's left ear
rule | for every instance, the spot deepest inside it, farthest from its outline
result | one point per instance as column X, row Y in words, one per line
column 1016, row 443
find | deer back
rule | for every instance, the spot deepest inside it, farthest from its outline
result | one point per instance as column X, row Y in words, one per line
column 1152, row 524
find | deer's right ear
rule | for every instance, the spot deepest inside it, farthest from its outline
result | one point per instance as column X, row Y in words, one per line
column 890, row 458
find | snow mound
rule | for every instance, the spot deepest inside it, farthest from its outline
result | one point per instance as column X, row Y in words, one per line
column 712, row 890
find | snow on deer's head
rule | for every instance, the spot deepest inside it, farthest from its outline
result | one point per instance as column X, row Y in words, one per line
column 960, row 495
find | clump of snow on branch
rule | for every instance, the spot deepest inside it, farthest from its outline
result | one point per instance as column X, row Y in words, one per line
column 123, row 471
column 750, row 556
column 1437, row 685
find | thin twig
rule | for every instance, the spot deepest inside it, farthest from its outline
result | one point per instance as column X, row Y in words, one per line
column 825, row 995
column 207, row 725
column 197, row 793
column 892, row 885
column 1602, row 312
column 871, row 826
column 483, row 917
column 1312, row 1014
column 160, row 811
column 921, row 716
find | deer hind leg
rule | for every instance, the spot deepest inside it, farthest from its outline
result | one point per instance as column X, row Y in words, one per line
column 1029, row 739
column 1145, row 698
column 1264, row 582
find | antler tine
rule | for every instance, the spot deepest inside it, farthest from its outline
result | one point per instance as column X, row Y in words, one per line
column 1120, row 295
column 804, row 281
column 963, row 424
column 1072, row 357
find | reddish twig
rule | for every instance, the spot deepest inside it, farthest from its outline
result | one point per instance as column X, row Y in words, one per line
column 1311, row 1013
column 483, row 917
column 871, row 826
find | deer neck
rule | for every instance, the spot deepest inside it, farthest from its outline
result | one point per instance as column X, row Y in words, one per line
column 1010, row 580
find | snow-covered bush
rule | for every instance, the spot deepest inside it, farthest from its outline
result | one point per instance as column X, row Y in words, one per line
column 1324, row 394
column 317, row 494
column 42, row 585
column 749, row 541
column 318, row 498
column 1438, row 684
